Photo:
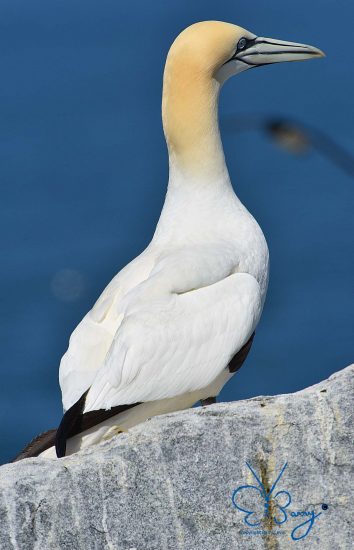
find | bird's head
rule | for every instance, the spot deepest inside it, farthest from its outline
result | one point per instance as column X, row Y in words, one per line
column 223, row 49
column 200, row 59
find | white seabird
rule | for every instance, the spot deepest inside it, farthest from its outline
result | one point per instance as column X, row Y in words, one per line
column 165, row 331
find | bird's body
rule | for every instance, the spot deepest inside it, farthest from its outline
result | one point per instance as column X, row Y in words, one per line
column 219, row 258
column 202, row 284
column 193, row 298
column 162, row 334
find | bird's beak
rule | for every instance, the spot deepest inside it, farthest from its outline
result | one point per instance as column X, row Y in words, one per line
column 262, row 51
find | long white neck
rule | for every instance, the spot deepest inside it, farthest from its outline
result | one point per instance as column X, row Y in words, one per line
column 200, row 194
column 190, row 121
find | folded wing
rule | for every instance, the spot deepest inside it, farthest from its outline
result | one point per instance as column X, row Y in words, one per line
column 179, row 329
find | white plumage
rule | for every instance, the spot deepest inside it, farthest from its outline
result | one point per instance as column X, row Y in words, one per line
column 164, row 330
column 174, row 331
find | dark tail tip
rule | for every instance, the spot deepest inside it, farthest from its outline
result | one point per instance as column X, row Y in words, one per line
column 39, row 444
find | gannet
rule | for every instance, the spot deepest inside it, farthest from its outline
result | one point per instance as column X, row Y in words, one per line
column 174, row 325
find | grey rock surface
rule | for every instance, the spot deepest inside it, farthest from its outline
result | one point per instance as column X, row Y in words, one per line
column 169, row 483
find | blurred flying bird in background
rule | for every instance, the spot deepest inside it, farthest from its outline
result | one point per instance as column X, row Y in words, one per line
column 293, row 136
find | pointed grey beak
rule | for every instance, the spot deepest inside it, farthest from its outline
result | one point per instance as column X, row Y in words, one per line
column 262, row 51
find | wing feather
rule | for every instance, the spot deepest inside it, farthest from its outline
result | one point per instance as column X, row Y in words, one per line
column 177, row 343
column 166, row 325
column 92, row 338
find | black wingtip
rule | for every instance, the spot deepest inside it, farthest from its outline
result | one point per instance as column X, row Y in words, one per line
column 240, row 357
column 74, row 422
column 70, row 423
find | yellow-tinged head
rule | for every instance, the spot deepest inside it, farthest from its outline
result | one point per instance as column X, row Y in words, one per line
column 201, row 58
column 204, row 47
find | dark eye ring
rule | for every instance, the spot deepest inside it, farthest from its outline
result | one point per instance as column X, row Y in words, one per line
column 242, row 43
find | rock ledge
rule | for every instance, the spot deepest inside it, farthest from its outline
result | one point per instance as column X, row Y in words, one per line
column 174, row 481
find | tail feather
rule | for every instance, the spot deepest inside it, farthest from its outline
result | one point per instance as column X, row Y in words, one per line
column 39, row 444
column 73, row 423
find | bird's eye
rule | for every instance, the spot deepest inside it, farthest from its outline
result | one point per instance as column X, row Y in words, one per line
column 242, row 43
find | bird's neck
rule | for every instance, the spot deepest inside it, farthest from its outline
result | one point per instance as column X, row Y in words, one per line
column 190, row 121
